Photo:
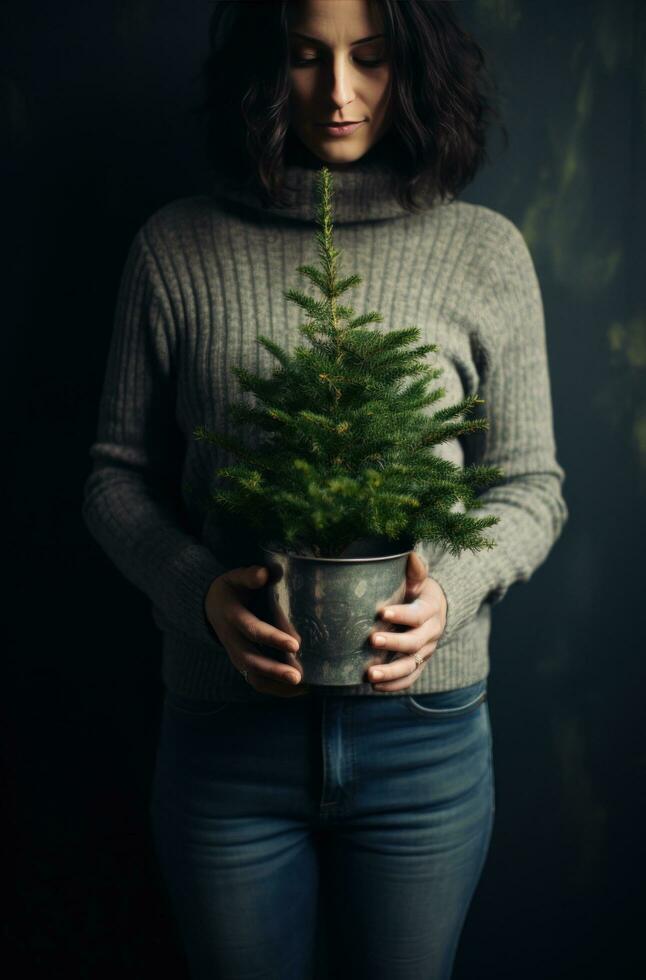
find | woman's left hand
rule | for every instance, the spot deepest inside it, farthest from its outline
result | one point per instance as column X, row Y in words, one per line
column 426, row 617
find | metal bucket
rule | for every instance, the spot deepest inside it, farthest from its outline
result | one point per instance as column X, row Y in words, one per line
column 332, row 606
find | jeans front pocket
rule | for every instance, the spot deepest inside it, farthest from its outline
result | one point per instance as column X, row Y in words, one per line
column 443, row 705
column 193, row 707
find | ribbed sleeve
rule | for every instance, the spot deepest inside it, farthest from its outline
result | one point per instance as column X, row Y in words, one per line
column 131, row 497
column 515, row 386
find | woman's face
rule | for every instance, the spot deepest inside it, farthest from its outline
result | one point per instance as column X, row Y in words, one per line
column 335, row 79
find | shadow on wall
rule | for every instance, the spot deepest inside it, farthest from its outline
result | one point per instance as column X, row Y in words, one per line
column 575, row 223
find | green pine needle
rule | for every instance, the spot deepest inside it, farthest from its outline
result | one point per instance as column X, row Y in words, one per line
column 345, row 432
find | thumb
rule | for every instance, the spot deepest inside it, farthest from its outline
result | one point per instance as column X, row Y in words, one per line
column 416, row 573
column 249, row 576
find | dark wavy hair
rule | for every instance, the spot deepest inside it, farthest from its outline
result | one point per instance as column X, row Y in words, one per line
column 443, row 99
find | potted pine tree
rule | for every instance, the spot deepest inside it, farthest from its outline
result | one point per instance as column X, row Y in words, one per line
column 344, row 481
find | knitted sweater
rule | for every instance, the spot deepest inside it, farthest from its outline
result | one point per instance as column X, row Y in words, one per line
column 204, row 277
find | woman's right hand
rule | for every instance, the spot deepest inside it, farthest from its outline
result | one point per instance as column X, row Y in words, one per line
column 239, row 630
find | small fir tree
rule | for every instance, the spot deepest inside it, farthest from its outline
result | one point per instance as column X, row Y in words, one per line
column 347, row 450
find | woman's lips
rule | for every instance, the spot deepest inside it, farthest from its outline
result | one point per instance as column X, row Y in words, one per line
column 341, row 130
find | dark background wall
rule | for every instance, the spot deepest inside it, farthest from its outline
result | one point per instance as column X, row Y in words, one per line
column 97, row 102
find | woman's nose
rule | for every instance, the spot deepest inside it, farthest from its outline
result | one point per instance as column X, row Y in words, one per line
column 342, row 87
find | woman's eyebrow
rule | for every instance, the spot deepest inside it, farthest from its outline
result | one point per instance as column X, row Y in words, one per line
column 361, row 40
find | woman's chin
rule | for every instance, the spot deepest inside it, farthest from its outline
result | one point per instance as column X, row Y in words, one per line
column 314, row 152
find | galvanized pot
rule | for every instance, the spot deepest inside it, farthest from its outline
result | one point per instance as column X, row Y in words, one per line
column 332, row 606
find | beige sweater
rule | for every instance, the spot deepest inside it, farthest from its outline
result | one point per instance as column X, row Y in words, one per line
column 204, row 276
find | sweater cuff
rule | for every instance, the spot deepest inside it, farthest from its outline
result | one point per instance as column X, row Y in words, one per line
column 189, row 577
column 461, row 580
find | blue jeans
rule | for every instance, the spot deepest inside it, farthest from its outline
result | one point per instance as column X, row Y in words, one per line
column 386, row 803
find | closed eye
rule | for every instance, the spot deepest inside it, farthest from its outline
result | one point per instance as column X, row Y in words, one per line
column 312, row 61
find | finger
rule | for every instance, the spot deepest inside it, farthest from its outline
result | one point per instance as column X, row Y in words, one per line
column 247, row 576
column 266, row 683
column 265, row 669
column 277, row 689
column 408, row 641
column 401, row 673
column 282, row 622
column 259, row 632
column 416, row 571
column 401, row 666
column 413, row 613
column 268, row 676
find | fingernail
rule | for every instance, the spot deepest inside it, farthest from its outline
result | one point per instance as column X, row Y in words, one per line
column 377, row 675
column 379, row 640
column 293, row 678
column 387, row 613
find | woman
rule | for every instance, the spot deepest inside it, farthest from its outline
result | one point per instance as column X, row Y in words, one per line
column 268, row 793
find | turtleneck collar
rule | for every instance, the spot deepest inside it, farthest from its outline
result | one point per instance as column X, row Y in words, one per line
column 362, row 192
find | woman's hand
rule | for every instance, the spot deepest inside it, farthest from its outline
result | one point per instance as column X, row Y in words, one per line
column 239, row 630
column 426, row 617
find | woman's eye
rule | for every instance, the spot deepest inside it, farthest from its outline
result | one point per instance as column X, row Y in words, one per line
column 366, row 62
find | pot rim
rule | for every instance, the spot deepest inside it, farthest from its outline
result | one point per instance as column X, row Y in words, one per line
column 350, row 561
